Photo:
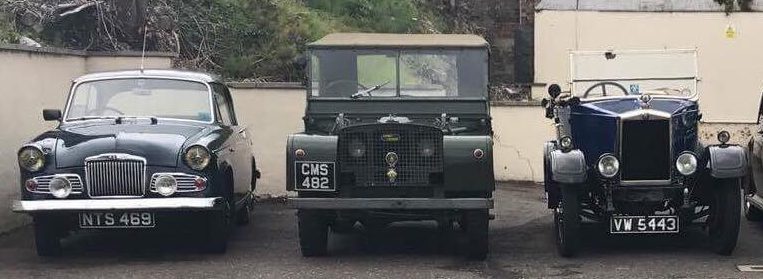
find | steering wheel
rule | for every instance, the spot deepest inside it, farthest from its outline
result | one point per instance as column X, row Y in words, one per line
column 603, row 86
column 119, row 112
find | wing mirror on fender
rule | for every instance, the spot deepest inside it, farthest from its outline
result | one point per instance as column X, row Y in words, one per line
column 51, row 114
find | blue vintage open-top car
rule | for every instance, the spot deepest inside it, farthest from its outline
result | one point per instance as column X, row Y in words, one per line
column 630, row 159
column 139, row 150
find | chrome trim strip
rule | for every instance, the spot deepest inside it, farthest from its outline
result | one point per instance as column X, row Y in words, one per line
column 390, row 203
column 117, row 204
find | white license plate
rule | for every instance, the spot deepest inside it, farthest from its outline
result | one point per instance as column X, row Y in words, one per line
column 105, row 220
column 643, row 224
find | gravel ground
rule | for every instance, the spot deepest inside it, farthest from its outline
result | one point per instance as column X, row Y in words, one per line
column 520, row 237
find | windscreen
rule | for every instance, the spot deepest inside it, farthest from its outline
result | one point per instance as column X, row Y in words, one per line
column 398, row 73
column 140, row 97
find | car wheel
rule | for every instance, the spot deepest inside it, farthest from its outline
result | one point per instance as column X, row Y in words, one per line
column 313, row 233
column 477, row 233
column 47, row 238
column 243, row 216
column 724, row 225
column 751, row 213
column 567, row 222
column 219, row 229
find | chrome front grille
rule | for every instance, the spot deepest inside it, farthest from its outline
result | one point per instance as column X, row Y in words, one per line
column 115, row 175
column 43, row 183
column 645, row 150
column 186, row 182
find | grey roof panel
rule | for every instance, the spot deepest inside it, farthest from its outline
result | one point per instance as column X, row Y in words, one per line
column 639, row 5
column 172, row 74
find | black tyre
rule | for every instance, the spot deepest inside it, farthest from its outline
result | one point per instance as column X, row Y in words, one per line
column 47, row 238
column 723, row 223
column 567, row 222
column 243, row 215
column 477, row 233
column 751, row 213
column 219, row 227
column 313, row 233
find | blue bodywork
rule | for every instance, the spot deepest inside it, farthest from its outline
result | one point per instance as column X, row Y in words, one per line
column 594, row 124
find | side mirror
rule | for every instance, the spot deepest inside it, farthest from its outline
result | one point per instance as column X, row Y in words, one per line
column 574, row 101
column 51, row 114
column 554, row 90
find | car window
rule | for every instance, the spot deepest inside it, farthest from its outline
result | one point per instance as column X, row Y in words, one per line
column 142, row 97
column 224, row 105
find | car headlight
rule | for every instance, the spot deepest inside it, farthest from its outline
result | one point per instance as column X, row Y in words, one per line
column 686, row 163
column 608, row 165
column 197, row 157
column 166, row 185
column 565, row 143
column 724, row 137
column 31, row 158
column 357, row 149
column 426, row 148
column 60, row 187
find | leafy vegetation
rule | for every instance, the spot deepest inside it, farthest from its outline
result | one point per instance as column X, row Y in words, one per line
column 239, row 39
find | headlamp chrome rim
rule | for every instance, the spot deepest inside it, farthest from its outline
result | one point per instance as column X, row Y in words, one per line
column 26, row 164
column 60, row 187
column 162, row 189
column 200, row 160
column 608, row 165
column 565, row 143
column 686, row 158
column 724, row 136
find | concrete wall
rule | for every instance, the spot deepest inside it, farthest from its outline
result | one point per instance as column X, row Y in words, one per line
column 33, row 79
column 731, row 68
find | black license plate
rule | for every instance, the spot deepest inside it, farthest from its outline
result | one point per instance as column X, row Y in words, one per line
column 314, row 176
column 103, row 220
column 643, row 224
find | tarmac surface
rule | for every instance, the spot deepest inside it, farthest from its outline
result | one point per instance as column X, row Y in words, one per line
column 521, row 246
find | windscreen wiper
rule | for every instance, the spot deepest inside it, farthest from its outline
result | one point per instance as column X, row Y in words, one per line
column 90, row 118
column 367, row 92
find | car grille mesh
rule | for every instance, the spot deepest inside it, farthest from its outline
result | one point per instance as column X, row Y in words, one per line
column 645, row 150
column 407, row 141
column 117, row 178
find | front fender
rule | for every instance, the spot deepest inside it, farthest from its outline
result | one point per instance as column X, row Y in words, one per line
column 568, row 167
column 317, row 148
column 727, row 161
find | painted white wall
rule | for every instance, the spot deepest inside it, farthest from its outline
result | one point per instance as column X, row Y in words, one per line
column 32, row 81
column 731, row 69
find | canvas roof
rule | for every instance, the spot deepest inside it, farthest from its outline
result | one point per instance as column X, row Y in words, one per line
column 371, row 40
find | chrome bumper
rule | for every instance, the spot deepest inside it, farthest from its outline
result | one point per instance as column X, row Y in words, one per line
column 158, row 204
column 390, row 203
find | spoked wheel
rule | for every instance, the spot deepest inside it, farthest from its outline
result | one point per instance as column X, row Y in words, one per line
column 567, row 222
column 723, row 224
column 477, row 233
column 313, row 233
column 751, row 212
column 219, row 228
column 47, row 237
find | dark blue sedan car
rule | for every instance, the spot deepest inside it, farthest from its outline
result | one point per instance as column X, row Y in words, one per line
column 139, row 150
column 630, row 160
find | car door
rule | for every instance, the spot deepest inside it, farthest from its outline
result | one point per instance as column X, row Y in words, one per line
column 237, row 144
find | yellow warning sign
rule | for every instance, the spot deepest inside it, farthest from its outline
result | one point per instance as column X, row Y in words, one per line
column 731, row 32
